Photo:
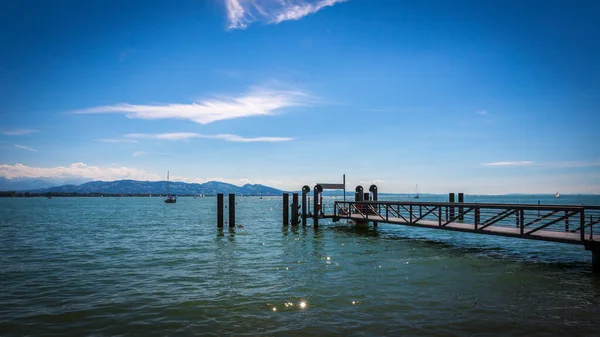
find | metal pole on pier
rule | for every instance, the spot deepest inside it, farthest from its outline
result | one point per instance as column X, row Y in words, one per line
column 344, row 180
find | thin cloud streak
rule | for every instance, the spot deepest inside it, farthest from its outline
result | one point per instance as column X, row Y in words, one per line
column 242, row 13
column 564, row 164
column 17, row 132
column 178, row 136
column 508, row 163
column 25, row 148
column 258, row 102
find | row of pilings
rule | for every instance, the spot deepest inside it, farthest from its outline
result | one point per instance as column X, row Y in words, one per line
column 298, row 212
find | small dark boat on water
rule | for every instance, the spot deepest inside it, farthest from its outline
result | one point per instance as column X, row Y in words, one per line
column 171, row 199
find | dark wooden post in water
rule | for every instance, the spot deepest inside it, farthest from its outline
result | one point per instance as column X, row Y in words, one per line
column 286, row 205
column 231, row 210
column 220, row 210
column 294, row 209
column 305, row 190
column 373, row 189
column 451, row 200
column 461, row 199
column 318, row 189
column 594, row 247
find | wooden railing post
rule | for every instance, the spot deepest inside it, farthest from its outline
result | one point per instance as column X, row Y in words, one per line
column 522, row 220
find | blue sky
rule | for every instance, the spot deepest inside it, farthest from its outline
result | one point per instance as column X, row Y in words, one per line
column 484, row 97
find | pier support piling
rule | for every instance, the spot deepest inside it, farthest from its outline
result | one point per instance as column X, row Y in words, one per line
column 294, row 209
column 286, row 205
column 316, row 209
column 360, row 196
column 231, row 210
column 220, row 210
column 373, row 190
column 305, row 190
column 594, row 247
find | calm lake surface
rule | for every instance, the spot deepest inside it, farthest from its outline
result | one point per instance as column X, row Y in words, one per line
column 140, row 267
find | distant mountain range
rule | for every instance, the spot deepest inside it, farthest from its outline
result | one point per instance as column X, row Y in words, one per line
column 140, row 187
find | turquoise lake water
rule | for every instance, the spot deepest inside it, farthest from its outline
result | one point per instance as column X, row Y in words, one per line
column 140, row 267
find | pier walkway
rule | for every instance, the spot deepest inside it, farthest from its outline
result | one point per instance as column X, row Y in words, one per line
column 558, row 223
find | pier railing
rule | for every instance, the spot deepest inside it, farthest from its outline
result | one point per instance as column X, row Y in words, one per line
column 564, row 223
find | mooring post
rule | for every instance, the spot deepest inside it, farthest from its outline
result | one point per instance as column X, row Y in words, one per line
column 295, row 209
column 461, row 199
column 451, row 200
column 373, row 189
column 318, row 189
column 286, row 205
column 231, row 210
column 220, row 210
column 305, row 190
column 359, row 193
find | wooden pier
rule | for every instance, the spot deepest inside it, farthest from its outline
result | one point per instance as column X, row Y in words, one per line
column 556, row 223
column 570, row 224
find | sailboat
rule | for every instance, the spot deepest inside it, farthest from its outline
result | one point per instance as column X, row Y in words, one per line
column 557, row 195
column 417, row 196
column 170, row 199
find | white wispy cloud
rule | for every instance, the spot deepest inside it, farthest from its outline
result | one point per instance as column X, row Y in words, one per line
column 117, row 140
column 556, row 164
column 258, row 102
column 164, row 136
column 16, row 132
column 508, row 163
column 189, row 135
column 482, row 112
column 79, row 170
column 241, row 13
column 25, row 148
